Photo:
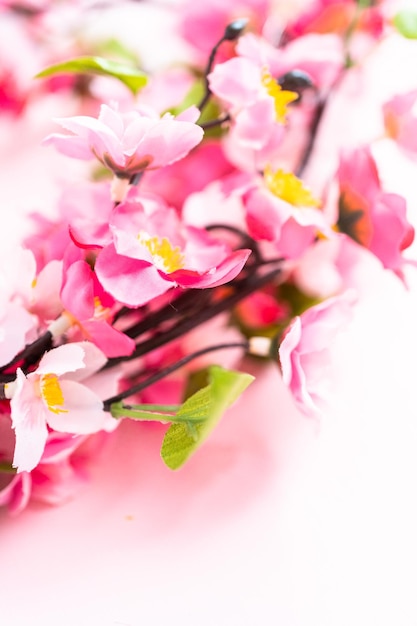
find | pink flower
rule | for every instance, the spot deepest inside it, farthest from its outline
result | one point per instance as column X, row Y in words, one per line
column 400, row 120
column 89, row 309
column 262, row 309
column 291, row 229
column 15, row 493
column 203, row 24
column 253, row 98
column 373, row 218
column 336, row 16
column 305, row 351
column 17, row 325
column 248, row 85
column 53, row 397
column 321, row 57
column 131, row 142
column 152, row 251
column 60, row 472
column 177, row 182
column 282, row 210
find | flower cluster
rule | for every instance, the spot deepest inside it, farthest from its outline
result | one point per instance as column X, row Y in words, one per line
column 193, row 232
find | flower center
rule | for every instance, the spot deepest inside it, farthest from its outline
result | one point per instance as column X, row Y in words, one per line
column 166, row 258
column 51, row 393
column 288, row 187
column 281, row 98
column 100, row 312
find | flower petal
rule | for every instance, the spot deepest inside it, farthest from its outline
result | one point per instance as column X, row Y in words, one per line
column 84, row 408
column 129, row 281
column 29, row 423
column 66, row 358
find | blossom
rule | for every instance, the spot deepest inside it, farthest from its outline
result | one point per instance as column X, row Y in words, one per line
column 17, row 325
column 128, row 143
column 320, row 57
column 152, row 251
column 60, row 472
column 400, row 120
column 372, row 217
column 282, row 210
column 255, row 100
column 203, row 24
column 336, row 16
column 89, row 311
column 52, row 396
column 248, row 86
column 305, row 352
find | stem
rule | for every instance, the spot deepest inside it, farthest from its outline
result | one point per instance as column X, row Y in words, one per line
column 246, row 240
column 213, row 123
column 154, row 408
column 246, row 287
column 166, row 371
column 314, row 127
column 30, row 355
column 232, row 32
column 207, row 90
column 184, row 304
column 119, row 411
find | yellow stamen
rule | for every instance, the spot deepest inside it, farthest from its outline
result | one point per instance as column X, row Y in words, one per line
column 288, row 187
column 165, row 257
column 281, row 97
column 51, row 393
column 100, row 312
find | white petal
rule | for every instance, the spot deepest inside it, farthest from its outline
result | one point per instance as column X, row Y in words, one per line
column 66, row 358
column 83, row 410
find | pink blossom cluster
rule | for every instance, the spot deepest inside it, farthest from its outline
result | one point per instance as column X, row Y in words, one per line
column 192, row 221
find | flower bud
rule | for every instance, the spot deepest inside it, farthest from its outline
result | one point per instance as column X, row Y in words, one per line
column 235, row 29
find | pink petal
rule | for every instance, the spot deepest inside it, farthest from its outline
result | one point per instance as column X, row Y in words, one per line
column 253, row 125
column 189, row 115
column 96, row 135
column 288, row 345
column 390, row 229
column 17, row 493
column 223, row 273
column 168, row 141
column 74, row 147
column 55, row 483
column 77, row 293
column 59, row 447
column 237, row 81
column 129, row 281
column 15, row 323
column 111, row 341
column 111, row 118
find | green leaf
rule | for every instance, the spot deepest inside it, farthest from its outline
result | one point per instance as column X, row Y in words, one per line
column 365, row 4
column 201, row 413
column 210, row 112
column 133, row 78
column 406, row 23
column 196, row 380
